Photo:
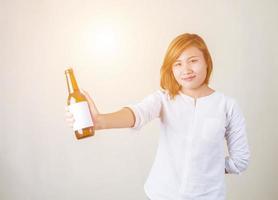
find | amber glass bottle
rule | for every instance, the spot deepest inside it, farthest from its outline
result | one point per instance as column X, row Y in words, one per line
column 78, row 105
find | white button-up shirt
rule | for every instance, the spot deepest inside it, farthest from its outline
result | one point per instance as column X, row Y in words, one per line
column 190, row 160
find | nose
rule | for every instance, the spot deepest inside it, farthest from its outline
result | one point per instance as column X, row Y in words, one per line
column 186, row 68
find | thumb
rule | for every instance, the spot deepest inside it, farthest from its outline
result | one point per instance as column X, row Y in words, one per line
column 91, row 103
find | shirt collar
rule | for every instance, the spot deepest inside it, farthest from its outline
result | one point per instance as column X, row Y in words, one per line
column 192, row 100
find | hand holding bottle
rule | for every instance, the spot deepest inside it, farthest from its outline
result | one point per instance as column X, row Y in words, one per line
column 83, row 116
column 93, row 109
column 69, row 118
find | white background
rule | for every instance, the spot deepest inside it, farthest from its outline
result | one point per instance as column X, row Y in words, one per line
column 39, row 155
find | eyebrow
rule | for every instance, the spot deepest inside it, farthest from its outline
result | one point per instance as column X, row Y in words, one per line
column 187, row 58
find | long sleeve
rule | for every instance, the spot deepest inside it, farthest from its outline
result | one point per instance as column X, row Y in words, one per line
column 237, row 141
column 146, row 110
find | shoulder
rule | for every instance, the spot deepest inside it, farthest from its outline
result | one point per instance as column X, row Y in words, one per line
column 159, row 96
column 227, row 99
column 155, row 96
column 159, row 93
column 164, row 94
column 232, row 105
column 230, row 101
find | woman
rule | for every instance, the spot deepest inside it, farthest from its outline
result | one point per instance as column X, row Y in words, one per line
column 195, row 120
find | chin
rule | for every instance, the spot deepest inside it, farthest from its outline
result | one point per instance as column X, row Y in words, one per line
column 190, row 87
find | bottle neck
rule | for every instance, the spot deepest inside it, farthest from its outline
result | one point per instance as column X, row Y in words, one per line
column 71, row 81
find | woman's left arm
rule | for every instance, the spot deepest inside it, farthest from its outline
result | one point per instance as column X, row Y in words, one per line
column 237, row 141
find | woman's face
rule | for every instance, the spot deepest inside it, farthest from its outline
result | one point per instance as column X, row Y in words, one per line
column 190, row 69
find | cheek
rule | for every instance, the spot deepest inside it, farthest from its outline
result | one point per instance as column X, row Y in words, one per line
column 200, row 69
column 176, row 73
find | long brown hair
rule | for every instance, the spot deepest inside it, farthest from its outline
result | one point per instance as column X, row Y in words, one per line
column 176, row 47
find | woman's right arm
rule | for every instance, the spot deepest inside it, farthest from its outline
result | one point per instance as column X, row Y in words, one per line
column 123, row 118
column 131, row 116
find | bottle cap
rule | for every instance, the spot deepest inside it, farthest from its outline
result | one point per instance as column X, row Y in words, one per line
column 68, row 70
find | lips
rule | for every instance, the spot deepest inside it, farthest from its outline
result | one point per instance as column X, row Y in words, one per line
column 188, row 78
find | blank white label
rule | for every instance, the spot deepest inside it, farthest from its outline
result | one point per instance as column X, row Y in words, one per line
column 81, row 114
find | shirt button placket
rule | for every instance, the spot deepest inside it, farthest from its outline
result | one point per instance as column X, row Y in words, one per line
column 189, row 148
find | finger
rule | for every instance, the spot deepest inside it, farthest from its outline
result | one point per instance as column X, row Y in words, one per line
column 68, row 114
column 70, row 120
column 70, row 124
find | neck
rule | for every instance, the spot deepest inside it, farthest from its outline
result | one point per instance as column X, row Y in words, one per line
column 195, row 93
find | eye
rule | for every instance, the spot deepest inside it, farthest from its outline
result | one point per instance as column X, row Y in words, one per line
column 194, row 61
column 177, row 64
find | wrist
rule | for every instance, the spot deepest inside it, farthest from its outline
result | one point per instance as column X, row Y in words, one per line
column 99, row 122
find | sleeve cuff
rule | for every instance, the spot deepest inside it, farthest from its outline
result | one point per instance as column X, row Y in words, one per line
column 230, row 166
column 136, row 126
